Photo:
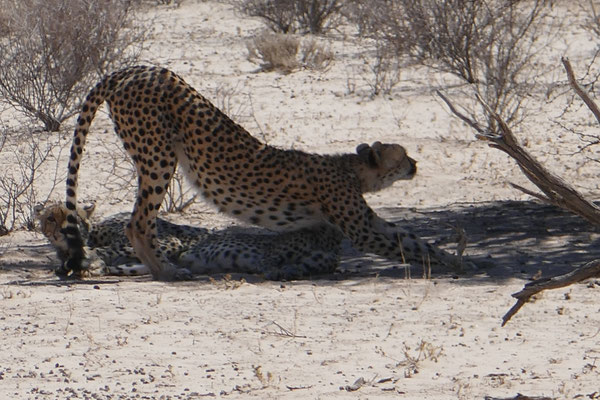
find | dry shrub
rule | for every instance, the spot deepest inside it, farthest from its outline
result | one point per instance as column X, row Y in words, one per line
column 27, row 157
column 274, row 51
column 278, row 15
column 384, row 70
column 295, row 16
column 362, row 14
column 286, row 53
column 318, row 16
column 314, row 55
column 571, row 117
column 179, row 195
column 52, row 51
column 491, row 45
column 228, row 98
column 591, row 21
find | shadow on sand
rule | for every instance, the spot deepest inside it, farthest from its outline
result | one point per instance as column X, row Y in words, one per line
column 508, row 239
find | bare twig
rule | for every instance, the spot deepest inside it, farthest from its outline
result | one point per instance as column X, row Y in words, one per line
column 579, row 90
column 589, row 270
column 285, row 332
column 469, row 121
column 538, row 196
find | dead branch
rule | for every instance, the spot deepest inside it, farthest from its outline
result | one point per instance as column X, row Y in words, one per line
column 556, row 190
column 579, row 90
column 469, row 121
column 589, row 270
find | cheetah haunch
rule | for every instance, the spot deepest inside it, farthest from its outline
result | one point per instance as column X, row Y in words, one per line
column 291, row 255
column 163, row 121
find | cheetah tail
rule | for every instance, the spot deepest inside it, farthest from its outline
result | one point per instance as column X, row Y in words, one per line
column 94, row 99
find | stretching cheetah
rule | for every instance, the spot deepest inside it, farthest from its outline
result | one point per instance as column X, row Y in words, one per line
column 290, row 255
column 163, row 121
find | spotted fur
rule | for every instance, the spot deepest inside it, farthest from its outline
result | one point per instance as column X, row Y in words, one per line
column 291, row 255
column 163, row 122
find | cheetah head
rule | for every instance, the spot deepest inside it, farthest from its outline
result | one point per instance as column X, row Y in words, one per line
column 53, row 219
column 382, row 164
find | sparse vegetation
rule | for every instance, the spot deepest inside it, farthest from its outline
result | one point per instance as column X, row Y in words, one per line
column 180, row 195
column 265, row 379
column 31, row 158
column 227, row 99
column 383, row 69
column 314, row 55
column 286, row 53
column 46, row 67
column 492, row 47
column 273, row 51
column 289, row 16
column 412, row 359
column 318, row 16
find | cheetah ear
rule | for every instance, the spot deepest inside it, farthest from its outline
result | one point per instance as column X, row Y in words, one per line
column 38, row 209
column 370, row 154
column 375, row 157
column 89, row 210
column 361, row 148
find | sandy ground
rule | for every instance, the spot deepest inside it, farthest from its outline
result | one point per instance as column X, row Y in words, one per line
column 373, row 330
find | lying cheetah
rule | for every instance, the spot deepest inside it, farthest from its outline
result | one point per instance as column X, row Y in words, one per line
column 163, row 121
column 292, row 255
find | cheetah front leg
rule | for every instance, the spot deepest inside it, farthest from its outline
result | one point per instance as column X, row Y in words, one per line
column 371, row 234
column 414, row 249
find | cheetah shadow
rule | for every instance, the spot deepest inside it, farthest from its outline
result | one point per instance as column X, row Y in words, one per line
column 505, row 239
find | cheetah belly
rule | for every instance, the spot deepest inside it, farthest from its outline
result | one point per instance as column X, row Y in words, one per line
column 280, row 207
column 277, row 218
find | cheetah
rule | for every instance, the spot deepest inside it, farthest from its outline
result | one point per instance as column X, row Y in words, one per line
column 163, row 122
column 287, row 256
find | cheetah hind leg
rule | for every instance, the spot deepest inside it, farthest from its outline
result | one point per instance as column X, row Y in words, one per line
column 96, row 266
column 144, row 244
column 142, row 232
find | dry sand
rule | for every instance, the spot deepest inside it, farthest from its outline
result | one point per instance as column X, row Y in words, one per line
column 366, row 332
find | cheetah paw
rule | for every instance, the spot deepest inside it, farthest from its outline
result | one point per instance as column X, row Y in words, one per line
column 63, row 271
column 172, row 273
column 182, row 274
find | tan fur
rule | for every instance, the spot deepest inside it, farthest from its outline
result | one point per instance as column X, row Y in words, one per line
column 163, row 122
column 292, row 255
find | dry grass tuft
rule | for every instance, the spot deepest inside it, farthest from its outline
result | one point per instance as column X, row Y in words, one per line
column 274, row 52
column 287, row 53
